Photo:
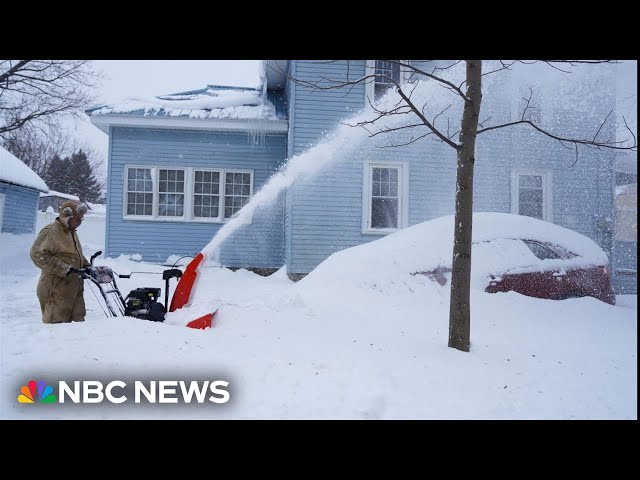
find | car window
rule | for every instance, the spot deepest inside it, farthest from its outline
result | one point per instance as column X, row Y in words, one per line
column 563, row 252
column 541, row 251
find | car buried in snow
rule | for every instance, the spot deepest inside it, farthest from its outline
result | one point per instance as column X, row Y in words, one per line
column 536, row 259
column 510, row 253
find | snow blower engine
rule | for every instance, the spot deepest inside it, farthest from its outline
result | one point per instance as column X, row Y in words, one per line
column 139, row 303
column 143, row 303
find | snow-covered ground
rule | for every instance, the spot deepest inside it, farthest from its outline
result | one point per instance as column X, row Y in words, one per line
column 325, row 350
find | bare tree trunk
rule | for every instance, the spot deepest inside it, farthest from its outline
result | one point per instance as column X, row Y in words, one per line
column 459, row 308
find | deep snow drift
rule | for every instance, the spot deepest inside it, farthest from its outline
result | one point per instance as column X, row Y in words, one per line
column 310, row 350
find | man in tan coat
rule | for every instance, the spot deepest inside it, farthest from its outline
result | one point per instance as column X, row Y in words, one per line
column 57, row 251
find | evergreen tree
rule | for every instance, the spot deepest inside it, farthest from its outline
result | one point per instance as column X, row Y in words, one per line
column 56, row 176
column 74, row 175
column 83, row 182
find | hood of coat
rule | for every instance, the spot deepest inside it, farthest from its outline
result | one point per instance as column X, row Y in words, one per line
column 71, row 209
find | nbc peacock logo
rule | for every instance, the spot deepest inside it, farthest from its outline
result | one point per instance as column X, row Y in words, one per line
column 36, row 392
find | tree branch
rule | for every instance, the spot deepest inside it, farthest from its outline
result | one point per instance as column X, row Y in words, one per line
column 450, row 85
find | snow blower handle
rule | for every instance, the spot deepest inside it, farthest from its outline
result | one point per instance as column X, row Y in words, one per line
column 166, row 276
column 99, row 252
column 174, row 272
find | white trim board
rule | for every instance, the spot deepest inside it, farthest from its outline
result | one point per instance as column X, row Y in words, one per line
column 103, row 122
column 547, row 191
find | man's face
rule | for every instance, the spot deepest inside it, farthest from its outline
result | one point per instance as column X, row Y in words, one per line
column 75, row 222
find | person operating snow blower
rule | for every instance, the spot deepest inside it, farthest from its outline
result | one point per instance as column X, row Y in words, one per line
column 58, row 253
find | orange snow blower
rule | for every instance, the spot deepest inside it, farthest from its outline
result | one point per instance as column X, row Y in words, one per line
column 143, row 302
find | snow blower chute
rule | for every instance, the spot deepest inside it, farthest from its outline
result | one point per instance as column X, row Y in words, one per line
column 183, row 292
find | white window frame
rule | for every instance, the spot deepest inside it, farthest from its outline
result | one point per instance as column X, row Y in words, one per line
column 156, row 196
column 191, row 197
column 125, row 191
column 547, row 191
column 235, row 170
column 370, row 69
column 403, row 196
column 189, row 178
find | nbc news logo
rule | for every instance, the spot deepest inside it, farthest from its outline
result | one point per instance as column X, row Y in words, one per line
column 94, row 391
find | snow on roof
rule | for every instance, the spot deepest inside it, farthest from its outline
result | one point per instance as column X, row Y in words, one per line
column 214, row 101
column 429, row 245
column 13, row 170
column 53, row 193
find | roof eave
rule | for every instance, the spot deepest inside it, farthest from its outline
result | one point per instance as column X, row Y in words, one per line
column 30, row 187
column 103, row 122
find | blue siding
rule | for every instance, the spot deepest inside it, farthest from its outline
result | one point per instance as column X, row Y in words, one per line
column 316, row 112
column 290, row 99
column 582, row 194
column 20, row 204
column 257, row 245
column 324, row 215
column 316, row 225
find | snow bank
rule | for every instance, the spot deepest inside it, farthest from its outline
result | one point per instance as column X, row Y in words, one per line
column 429, row 245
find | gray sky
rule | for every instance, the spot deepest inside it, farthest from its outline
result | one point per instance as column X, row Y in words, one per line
column 130, row 78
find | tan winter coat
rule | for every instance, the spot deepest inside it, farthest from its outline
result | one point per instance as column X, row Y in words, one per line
column 61, row 296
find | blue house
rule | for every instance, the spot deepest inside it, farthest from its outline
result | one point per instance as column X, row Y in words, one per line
column 20, row 189
column 181, row 167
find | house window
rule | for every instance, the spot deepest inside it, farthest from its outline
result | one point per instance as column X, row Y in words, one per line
column 170, row 193
column 531, row 195
column 237, row 191
column 385, row 71
column 206, row 194
column 386, row 194
column 139, row 191
column 186, row 194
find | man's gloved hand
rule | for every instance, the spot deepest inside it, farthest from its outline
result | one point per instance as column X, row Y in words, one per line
column 73, row 270
column 102, row 274
column 79, row 271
